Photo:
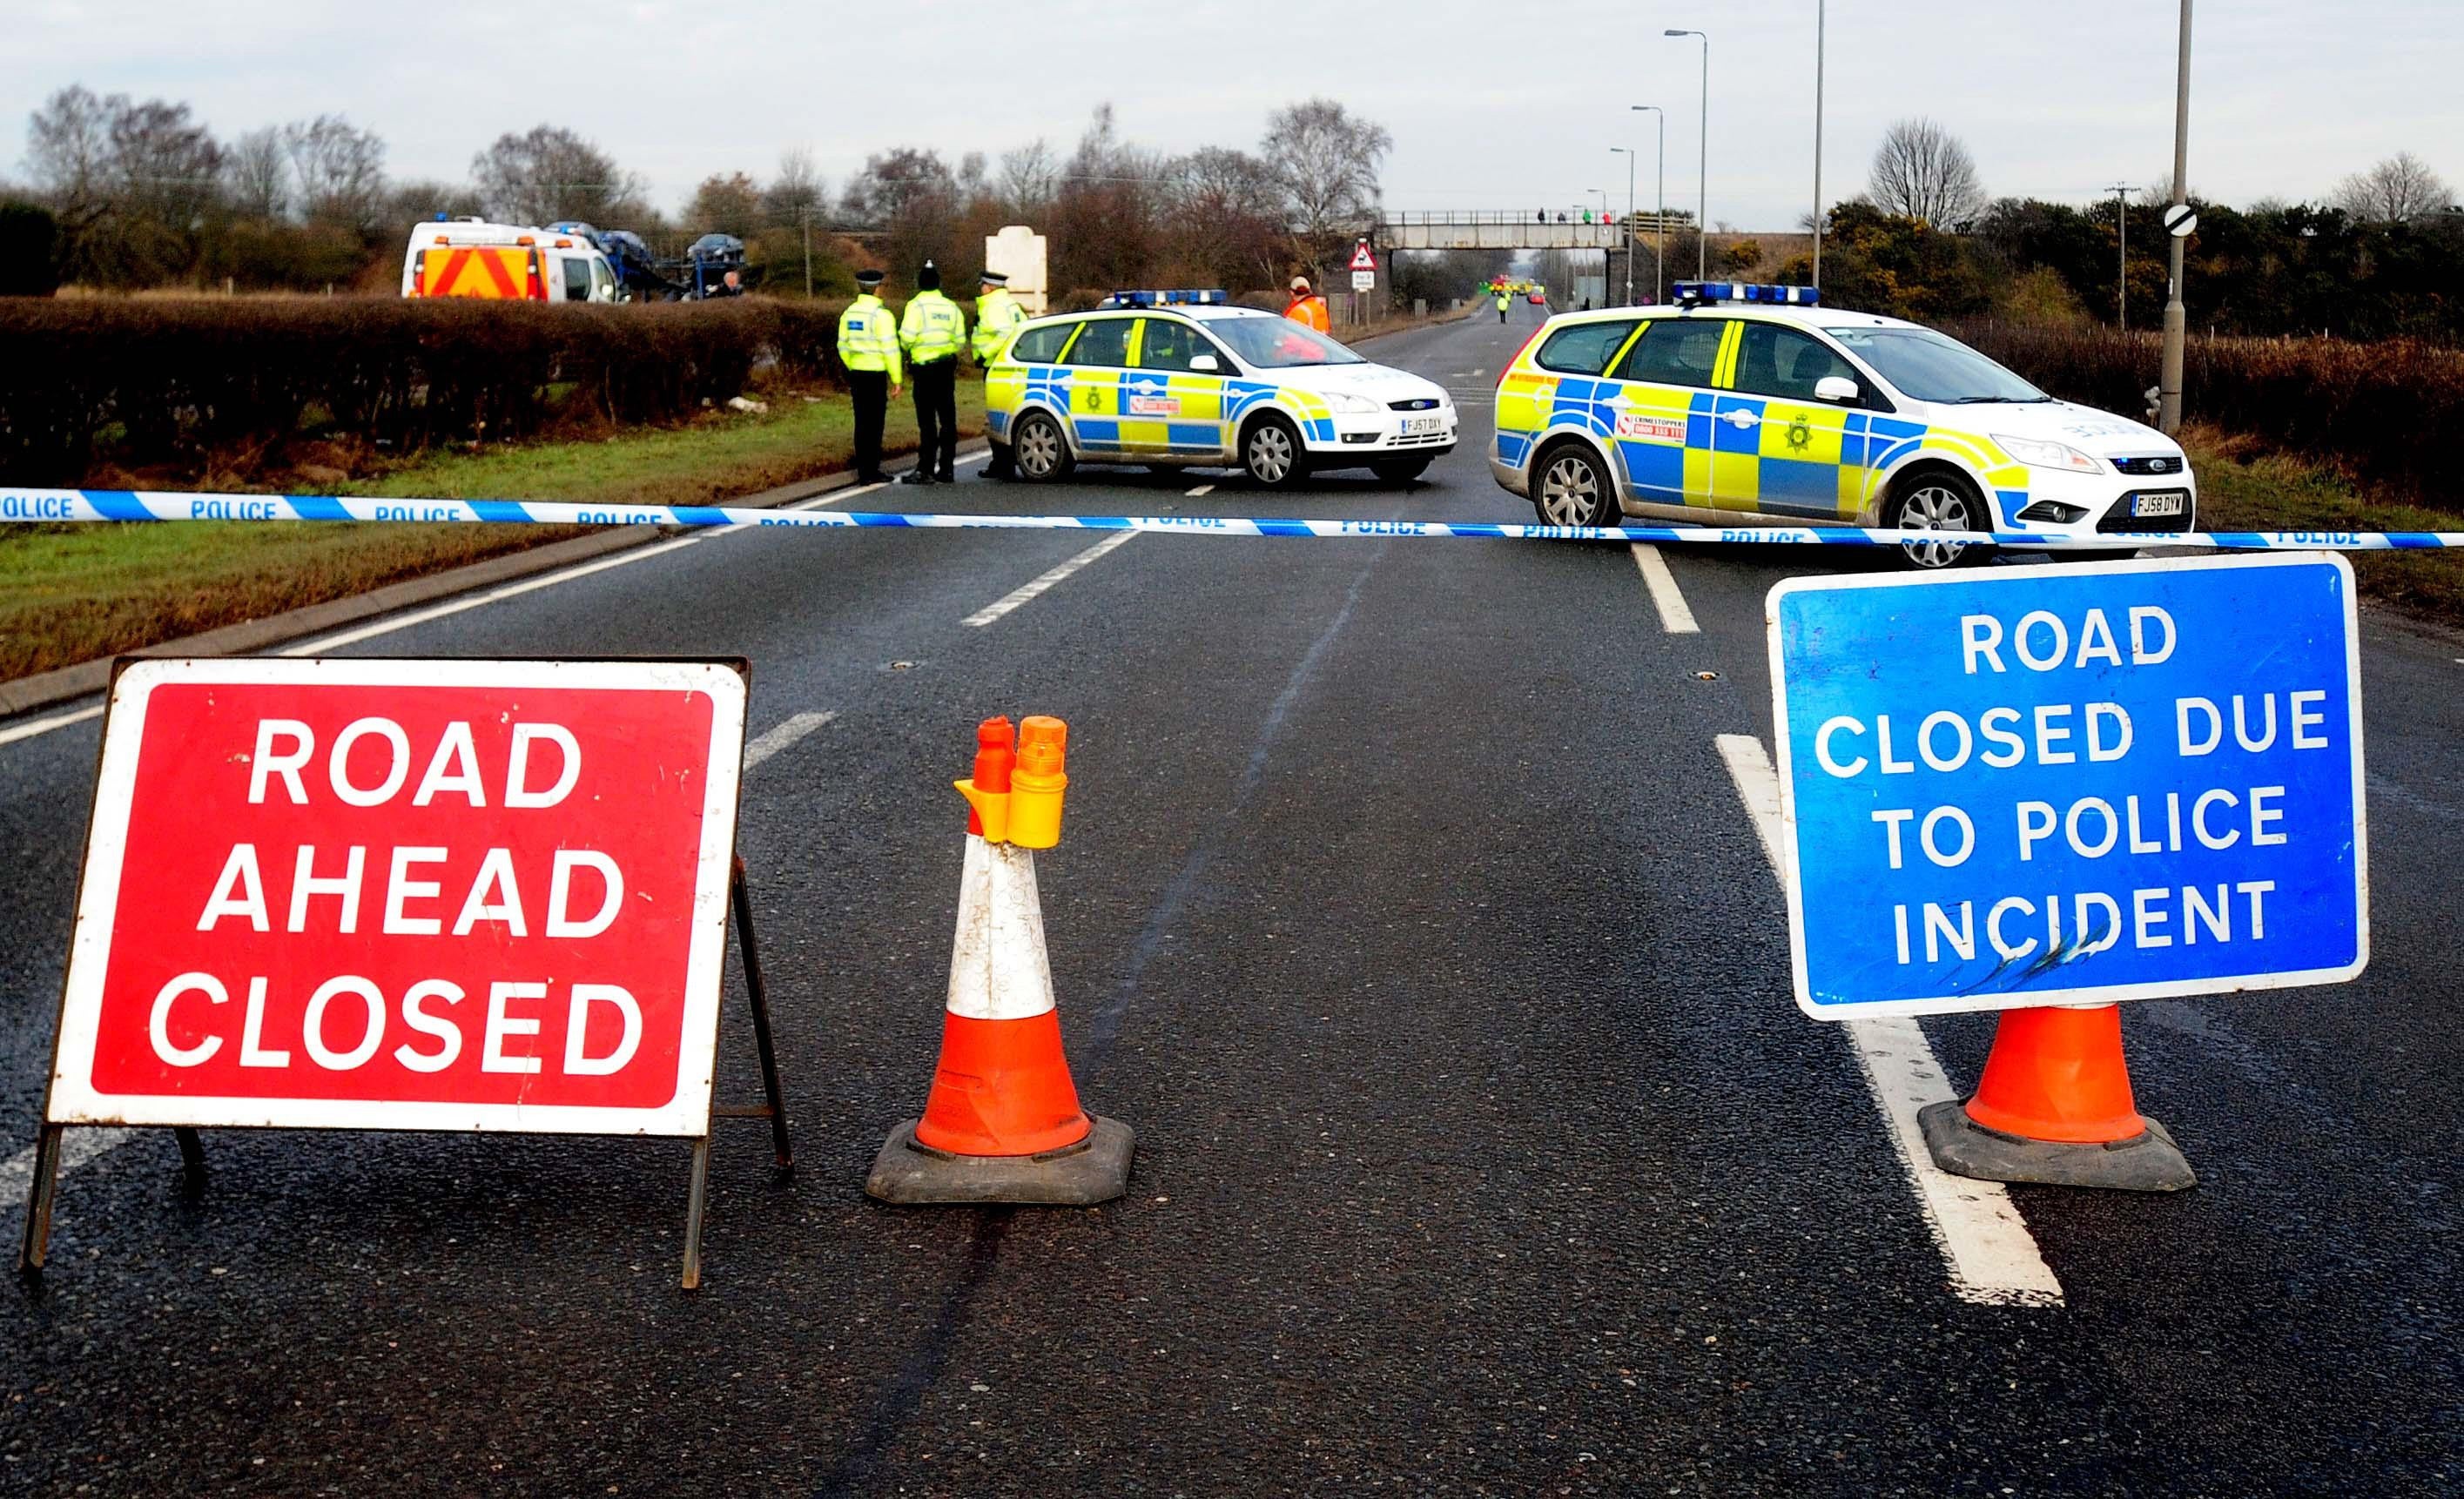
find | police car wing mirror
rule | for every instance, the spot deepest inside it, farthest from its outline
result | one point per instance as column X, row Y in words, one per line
column 1204, row 364
column 1835, row 387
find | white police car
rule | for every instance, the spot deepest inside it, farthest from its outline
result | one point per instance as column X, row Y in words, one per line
column 1183, row 378
column 1755, row 405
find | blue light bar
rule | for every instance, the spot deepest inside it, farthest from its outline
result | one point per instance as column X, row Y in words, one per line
column 1213, row 298
column 1694, row 293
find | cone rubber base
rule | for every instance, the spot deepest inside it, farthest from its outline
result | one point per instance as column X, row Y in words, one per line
column 1096, row 1169
column 2148, row 1163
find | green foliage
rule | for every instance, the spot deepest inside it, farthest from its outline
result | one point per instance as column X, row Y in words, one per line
column 1741, row 258
column 169, row 377
column 29, row 251
column 1898, row 266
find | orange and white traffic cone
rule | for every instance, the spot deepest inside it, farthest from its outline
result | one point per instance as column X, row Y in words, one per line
column 1003, row 1123
column 2055, row 1106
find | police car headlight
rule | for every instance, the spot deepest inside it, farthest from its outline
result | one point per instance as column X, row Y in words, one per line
column 2048, row 454
column 1357, row 405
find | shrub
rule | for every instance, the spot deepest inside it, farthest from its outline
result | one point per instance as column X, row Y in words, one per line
column 29, row 251
column 164, row 379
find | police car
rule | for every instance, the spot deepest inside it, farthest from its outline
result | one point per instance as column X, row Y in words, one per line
column 1184, row 378
column 1749, row 405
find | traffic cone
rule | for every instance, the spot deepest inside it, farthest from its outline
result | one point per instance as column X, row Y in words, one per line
column 1003, row 1123
column 2054, row 1106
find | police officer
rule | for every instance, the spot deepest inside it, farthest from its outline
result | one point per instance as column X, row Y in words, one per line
column 932, row 329
column 997, row 314
column 868, row 348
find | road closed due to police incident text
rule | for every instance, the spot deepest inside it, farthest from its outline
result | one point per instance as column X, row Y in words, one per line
column 392, row 894
column 2070, row 784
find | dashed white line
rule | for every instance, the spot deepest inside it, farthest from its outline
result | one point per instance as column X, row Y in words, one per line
column 1991, row 1257
column 1031, row 590
column 1674, row 616
column 1202, row 489
column 788, row 733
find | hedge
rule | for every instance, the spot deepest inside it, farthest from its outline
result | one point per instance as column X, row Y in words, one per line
column 159, row 379
column 2386, row 411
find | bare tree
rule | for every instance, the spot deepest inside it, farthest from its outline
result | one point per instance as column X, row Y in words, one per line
column 729, row 204
column 1921, row 171
column 2397, row 190
column 895, row 183
column 1225, row 219
column 552, row 173
column 261, row 176
column 1325, row 163
column 341, row 169
column 68, row 149
column 1027, row 180
column 796, row 192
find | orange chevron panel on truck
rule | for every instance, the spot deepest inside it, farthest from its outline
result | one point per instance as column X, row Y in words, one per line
column 487, row 270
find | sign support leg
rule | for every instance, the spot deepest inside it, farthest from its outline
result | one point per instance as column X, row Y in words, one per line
column 697, row 1202
column 192, row 1161
column 741, row 896
column 32, row 1249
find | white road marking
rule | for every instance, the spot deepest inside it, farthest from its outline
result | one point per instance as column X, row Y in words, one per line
column 1992, row 1257
column 1674, row 616
column 58, row 720
column 1029, row 590
column 82, row 1146
column 1202, row 489
column 788, row 733
column 641, row 554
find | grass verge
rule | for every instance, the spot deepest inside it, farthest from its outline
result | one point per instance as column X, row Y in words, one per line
column 74, row 593
column 2243, row 487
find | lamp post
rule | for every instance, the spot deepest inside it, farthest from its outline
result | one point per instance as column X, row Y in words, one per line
column 2168, row 389
column 1703, row 170
column 2121, row 231
column 1620, row 151
column 1819, row 7
column 1660, row 257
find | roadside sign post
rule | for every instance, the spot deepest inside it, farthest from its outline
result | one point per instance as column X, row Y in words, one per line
column 2070, row 785
column 401, row 895
column 1364, row 280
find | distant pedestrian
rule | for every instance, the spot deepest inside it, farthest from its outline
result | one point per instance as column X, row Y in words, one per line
column 1307, row 308
column 868, row 348
column 1504, row 302
column 932, row 330
column 732, row 284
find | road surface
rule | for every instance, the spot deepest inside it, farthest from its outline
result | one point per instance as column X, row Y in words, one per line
column 1414, row 908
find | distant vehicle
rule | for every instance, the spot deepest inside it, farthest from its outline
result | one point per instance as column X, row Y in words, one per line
column 1539, row 298
column 504, row 262
column 1756, row 405
column 1181, row 378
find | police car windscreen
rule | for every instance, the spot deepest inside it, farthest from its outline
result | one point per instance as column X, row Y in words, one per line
column 1928, row 366
column 1280, row 343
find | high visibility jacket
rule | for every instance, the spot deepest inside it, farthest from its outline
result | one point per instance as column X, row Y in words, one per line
column 1501, row 301
column 933, row 328
column 1311, row 309
column 997, row 314
column 868, row 338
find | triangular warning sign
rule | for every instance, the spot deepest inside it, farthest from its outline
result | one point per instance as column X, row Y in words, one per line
column 1361, row 258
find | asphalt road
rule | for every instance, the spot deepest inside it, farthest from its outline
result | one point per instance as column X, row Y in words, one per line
column 1411, row 914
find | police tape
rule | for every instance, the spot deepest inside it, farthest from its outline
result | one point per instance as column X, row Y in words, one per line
column 27, row 506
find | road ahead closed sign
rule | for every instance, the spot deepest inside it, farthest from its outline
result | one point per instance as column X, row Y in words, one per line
column 2067, row 784
column 405, row 894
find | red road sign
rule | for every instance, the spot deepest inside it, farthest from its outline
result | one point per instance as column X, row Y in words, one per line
column 405, row 895
column 1363, row 258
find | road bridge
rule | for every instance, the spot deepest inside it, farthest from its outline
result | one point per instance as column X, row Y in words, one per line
column 1508, row 229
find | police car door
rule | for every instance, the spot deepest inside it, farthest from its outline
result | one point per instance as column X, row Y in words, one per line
column 1663, row 413
column 1098, row 360
column 1786, row 460
column 1171, row 409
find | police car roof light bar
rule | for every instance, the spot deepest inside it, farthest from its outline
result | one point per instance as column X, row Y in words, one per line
column 1212, row 296
column 1693, row 293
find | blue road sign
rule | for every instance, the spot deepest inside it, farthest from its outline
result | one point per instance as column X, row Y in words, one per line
column 2048, row 785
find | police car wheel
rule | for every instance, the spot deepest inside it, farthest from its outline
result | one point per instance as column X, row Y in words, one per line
column 1570, row 490
column 1038, row 451
column 1271, row 453
column 1938, row 502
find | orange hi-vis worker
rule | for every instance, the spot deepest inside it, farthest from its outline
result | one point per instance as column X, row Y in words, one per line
column 1002, row 1122
column 1307, row 308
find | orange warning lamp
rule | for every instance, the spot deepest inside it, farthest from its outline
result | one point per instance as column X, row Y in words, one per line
column 988, row 790
column 1037, row 782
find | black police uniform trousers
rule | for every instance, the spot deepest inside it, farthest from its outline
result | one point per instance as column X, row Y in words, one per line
column 870, row 391
column 935, row 387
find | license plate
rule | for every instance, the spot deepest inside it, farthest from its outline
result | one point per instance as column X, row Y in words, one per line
column 2167, row 502
column 1412, row 425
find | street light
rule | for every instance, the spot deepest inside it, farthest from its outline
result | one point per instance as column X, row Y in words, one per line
column 1819, row 8
column 1619, row 150
column 1702, row 171
column 1659, row 260
column 2169, row 384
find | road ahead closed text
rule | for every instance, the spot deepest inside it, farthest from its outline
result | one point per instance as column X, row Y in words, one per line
column 2093, row 782
column 473, row 896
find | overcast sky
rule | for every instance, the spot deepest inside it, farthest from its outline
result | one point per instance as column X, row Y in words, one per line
column 1492, row 105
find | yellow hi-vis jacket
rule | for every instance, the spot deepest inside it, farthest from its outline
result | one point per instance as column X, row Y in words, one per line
column 1501, row 301
column 933, row 328
column 997, row 314
column 868, row 338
